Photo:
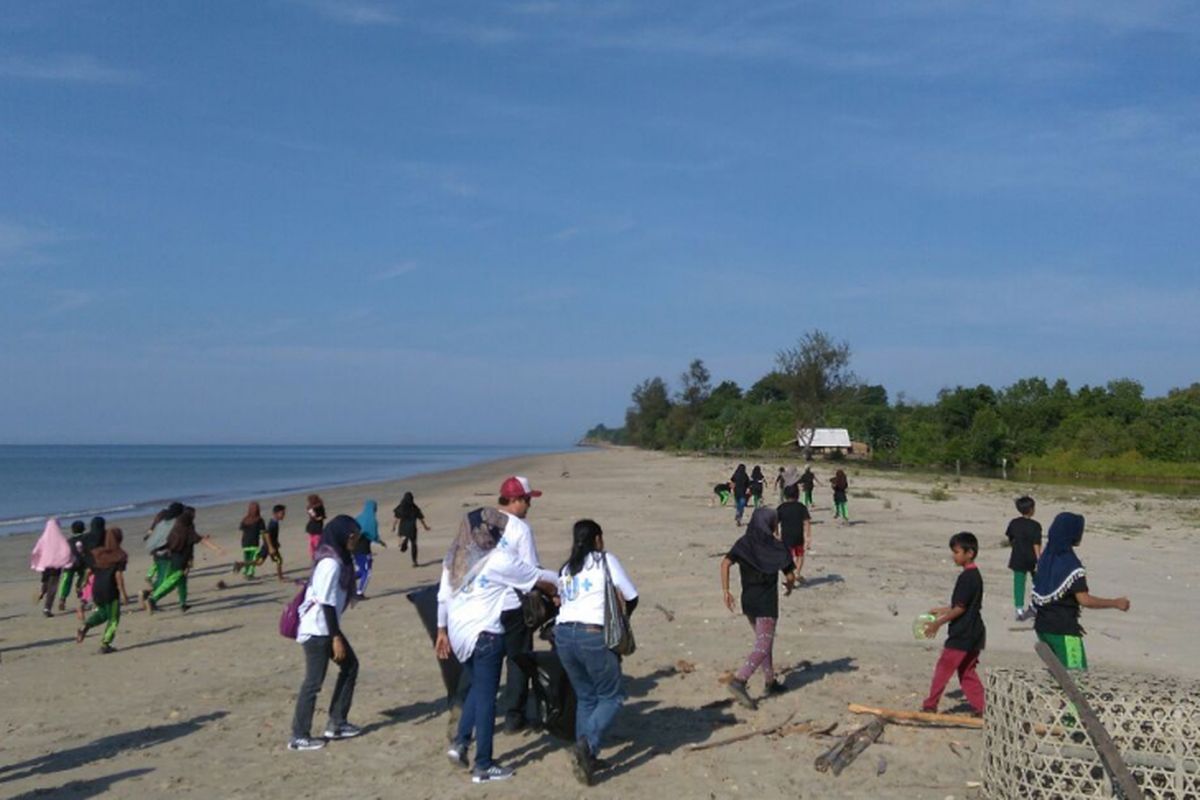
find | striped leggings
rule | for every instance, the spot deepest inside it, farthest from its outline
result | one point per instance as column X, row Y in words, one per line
column 760, row 656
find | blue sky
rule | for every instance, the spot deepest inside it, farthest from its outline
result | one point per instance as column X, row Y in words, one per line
column 370, row 221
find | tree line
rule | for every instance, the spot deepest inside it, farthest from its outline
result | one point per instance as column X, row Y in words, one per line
column 1109, row 429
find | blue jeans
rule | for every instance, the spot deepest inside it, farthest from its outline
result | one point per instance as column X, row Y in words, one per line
column 739, row 508
column 479, row 711
column 595, row 673
column 362, row 565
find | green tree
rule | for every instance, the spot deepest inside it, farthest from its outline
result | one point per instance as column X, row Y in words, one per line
column 816, row 374
column 645, row 421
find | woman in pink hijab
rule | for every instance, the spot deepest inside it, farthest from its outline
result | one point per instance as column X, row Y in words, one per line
column 50, row 556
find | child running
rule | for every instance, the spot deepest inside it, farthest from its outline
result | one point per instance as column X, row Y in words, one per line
column 1025, row 536
column 967, row 635
column 406, row 516
column 107, row 565
column 77, row 571
column 156, row 543
column 757, row 485
column 252, row 528
column 839, row 484
column 368, row 526
column 720, row 493
column 51, row 555
column 760, row 557
column 795, row 527
column 181, row 545
column 807, row 481
column 270, row 546
column 314, row 506
column 1060, row 588
column 739, row 484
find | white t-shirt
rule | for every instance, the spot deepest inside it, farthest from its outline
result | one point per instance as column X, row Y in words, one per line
column 323, row 590
column 477, row 606
column 583, row 594
column 520, row 537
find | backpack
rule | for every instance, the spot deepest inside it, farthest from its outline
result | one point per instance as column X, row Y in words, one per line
column 289, row 620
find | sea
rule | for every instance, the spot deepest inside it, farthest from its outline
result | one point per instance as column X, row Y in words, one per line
column 113, row 481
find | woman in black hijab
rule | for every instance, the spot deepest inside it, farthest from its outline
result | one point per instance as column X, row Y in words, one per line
column 407, row 514
column 760, row 556
column 739, row 484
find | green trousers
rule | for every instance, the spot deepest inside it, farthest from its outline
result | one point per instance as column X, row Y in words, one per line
column 173, row 578
column 1019, row 578
column 1068, row 649
column 110, row 613
column 808, row 501
column 839, row 510
column 158, row 570
column 249, row 556
column 64, row 583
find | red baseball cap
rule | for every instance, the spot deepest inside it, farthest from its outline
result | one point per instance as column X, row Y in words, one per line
column 517, row 486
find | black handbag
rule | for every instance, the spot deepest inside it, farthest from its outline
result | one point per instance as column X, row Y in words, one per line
column 538, row 608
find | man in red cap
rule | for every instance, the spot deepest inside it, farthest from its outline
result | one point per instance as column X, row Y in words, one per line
column 516, row 495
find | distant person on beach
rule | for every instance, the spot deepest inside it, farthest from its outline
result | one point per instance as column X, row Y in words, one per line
column 720, row 493
column 795, row 527
column 51, row 555
column 252, row 528
column 270, row 541
column 181, row 545
column 156, row 542
column 807, row 481
column 94, row 538
column 780, row 484
column 321, row 636
column 77, row 571
column 840, row 485
column 967, row 635
column 107, row 566
column 1025, row 537
column 1060, row 589
column 739, row 484
column 480, row 621
column 594, row 670
column 757, row 485
column 314, row 506
column 760, row 556
column 364, row 561
column 405, row 517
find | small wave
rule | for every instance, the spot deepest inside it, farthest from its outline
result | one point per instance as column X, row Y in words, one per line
column 90, row 512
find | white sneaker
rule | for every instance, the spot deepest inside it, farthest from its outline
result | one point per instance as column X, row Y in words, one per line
column 493, row 773
column 343, row 731
column 458, row 756
column 306, row 743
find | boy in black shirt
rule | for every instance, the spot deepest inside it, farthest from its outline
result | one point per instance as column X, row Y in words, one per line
column 270, row 546
column 795, row 526
column 1025, row 536
column 967, row 635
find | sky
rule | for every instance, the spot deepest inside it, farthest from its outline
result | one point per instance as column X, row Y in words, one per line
column 361, row 221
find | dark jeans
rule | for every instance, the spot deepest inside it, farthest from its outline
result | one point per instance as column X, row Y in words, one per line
column 479, row 712
column 50, row 587
column 595, row 673
column 318, row 652
column 518, row 640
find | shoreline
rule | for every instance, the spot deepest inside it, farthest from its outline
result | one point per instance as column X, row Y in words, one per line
column 139, row 508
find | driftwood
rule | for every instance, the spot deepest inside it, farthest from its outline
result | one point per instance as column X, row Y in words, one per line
column 918, row 717
column 1110, row 757
column 842, row 754
column 741, row 737
column 670, row 615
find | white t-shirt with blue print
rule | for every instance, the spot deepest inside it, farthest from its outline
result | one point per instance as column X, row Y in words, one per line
column 583, row 594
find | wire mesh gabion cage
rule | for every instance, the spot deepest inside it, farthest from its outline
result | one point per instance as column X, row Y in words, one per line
column 1035, row 746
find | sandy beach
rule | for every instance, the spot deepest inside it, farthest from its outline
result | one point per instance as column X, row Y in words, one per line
column 199, row 704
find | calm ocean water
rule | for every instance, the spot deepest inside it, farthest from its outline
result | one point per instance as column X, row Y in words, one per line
column 128, row 480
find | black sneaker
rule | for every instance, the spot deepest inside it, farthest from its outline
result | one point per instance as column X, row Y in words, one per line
column 774, row 688
column 515, row 724
column 581, row 762
column 185, row 608
column 493, row 773
column 343, row 731
column 105, row 649
column 738, row 690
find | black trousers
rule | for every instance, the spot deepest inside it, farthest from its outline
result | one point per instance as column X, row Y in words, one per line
column 318, row 653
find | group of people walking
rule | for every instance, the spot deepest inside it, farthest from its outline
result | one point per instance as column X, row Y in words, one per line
column 746, row 489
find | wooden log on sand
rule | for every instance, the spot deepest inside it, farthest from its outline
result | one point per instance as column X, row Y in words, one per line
column 918, row 717
column 842, row 754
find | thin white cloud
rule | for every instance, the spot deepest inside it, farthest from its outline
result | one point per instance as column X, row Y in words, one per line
column 355, row 12
column 395, row 271
column 70, row 300
column 65, row 68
